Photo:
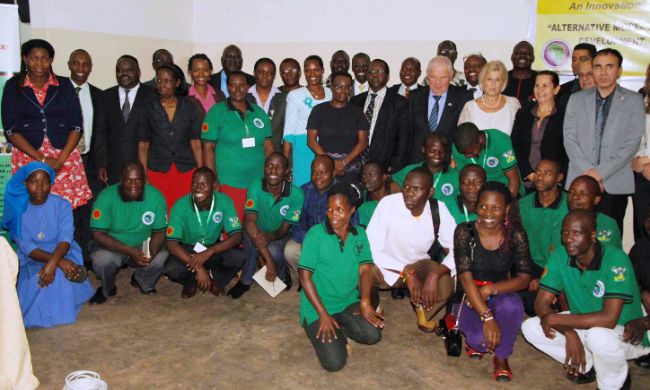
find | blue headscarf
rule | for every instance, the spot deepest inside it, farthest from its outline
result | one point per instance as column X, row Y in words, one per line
column 17, row 198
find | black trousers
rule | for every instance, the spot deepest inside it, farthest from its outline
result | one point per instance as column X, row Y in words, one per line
column 333, row 356
column 222, row 266
column 614, row 205
column 81, row 214
column 641, row 202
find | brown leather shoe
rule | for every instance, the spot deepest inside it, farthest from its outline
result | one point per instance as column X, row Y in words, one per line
column 216, row 290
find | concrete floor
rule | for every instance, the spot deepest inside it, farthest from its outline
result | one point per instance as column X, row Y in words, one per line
column 165, row 342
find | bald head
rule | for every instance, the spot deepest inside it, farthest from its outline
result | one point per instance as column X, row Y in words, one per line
column 586, row 219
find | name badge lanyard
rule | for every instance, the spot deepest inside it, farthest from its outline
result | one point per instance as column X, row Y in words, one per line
column 207, row 220
column 435, row 183
column 466, row 213
column 485, row 155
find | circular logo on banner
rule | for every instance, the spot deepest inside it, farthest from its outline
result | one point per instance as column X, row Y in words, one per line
column 217, row 217
column 492, row 162
column 556, row 53
column 148, row 218
column 447, row 189
column 599, row 289
column 258, row 123
column 283, row 210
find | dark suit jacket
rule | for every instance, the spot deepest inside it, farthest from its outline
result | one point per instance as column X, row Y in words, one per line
column 277, row 110
column 566, row 90
column 390, row 137
column 419, row 117
column 395, row 88
column 215, row 80
column 552, row 146
column 116, row 141
column 89, row 159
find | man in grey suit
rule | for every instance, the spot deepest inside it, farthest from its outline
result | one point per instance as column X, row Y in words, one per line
column 602, row 131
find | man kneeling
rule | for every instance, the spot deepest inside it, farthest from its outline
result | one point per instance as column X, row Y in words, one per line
column 603, row 295
column 409, row 230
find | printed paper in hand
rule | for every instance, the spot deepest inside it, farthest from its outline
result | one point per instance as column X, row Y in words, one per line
column 145, row 248
column 273, row 288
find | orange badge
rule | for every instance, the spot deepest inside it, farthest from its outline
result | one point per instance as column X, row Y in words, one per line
column 97, row 214
column 170, row 230
column 204, row 128
column 250, row 203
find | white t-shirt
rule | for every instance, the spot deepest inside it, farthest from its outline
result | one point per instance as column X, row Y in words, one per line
column 398, row 239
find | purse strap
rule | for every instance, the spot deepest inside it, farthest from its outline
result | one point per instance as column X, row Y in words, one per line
column 472, row 247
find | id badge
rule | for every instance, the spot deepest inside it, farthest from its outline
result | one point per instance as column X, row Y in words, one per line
column 248, row 142
column 198, row 248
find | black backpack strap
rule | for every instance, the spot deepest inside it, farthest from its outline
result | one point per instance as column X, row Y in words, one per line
column 435, row 214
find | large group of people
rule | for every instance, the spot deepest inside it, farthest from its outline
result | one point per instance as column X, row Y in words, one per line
column 483, row 196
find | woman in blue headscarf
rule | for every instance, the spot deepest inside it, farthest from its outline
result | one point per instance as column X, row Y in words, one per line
column 52, row 283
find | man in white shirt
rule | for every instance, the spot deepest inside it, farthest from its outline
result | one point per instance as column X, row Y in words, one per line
column 403, row 241
column 360, row 63
column 80, row 65
column 472, row 67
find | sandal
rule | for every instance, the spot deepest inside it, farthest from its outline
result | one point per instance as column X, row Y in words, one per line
column 426, row 326
column 502, row 376
column 472, row 353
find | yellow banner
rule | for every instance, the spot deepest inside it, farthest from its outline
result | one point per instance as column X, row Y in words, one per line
column 622, row 25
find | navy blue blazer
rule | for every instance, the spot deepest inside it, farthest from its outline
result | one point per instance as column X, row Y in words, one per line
column 59, row 115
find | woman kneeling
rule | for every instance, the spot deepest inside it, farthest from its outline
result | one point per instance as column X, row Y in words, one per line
column 334, row 270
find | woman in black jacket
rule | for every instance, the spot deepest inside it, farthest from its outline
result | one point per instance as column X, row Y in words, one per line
column 537, row 131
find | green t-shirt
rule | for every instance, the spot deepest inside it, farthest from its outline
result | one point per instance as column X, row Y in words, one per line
column 610, row 275
column 335, row 268
column 366, row 210
column 129, row 222
column 184, row 225
column 458, row 210
column 607, row 232
column 543, row 225
column 237, row 160
column 445, row 183
column 496, row 157
column 271, row 213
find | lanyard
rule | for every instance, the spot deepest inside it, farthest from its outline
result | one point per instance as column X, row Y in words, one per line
column 485, row 155
column 435, row 183
column 466, row 214
column 207, row 220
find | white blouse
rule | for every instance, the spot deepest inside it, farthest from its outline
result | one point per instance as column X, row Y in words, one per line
column 501, row 120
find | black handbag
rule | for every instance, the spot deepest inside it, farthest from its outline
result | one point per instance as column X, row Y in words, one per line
column 454, row 338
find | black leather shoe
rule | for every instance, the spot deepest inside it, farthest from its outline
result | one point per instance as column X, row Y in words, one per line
column 287, row 279
column 582, row 379
column 238, row 290
column 135, row 283
column 643, row 361
column 98, row 298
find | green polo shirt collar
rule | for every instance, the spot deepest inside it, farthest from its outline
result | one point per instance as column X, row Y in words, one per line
column 231, row 107
column 594, row 265
column 555, row 205
column 330, row 231
column 286, row 190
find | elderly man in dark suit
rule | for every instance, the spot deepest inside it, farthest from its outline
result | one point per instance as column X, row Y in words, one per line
column 121, row 116
column 603, row 127
column 387, row 113
column 437, row 108
column 231, row 60
column 80, row 65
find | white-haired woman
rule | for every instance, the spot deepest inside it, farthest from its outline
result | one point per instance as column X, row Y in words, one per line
column 492, row 110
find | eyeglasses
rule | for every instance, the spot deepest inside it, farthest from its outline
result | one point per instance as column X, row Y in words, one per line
column 447, row 52
column 341, row 87
column 377, row 71
column 289, row 71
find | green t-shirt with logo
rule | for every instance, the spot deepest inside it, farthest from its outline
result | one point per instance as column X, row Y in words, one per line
column 335, row 268
column 445, row 183
column 496, row 157
column 129, row 222
column 366, row 210
column 609, row 275
column 240, row 142
column 271, row 212
column 543, row 225
column 186, row 227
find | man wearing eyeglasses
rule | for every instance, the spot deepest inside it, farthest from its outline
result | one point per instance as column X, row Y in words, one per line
column 290, row 75
column 448, row 49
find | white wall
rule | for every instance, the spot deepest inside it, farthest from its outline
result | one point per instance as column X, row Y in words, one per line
column 386, row 29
